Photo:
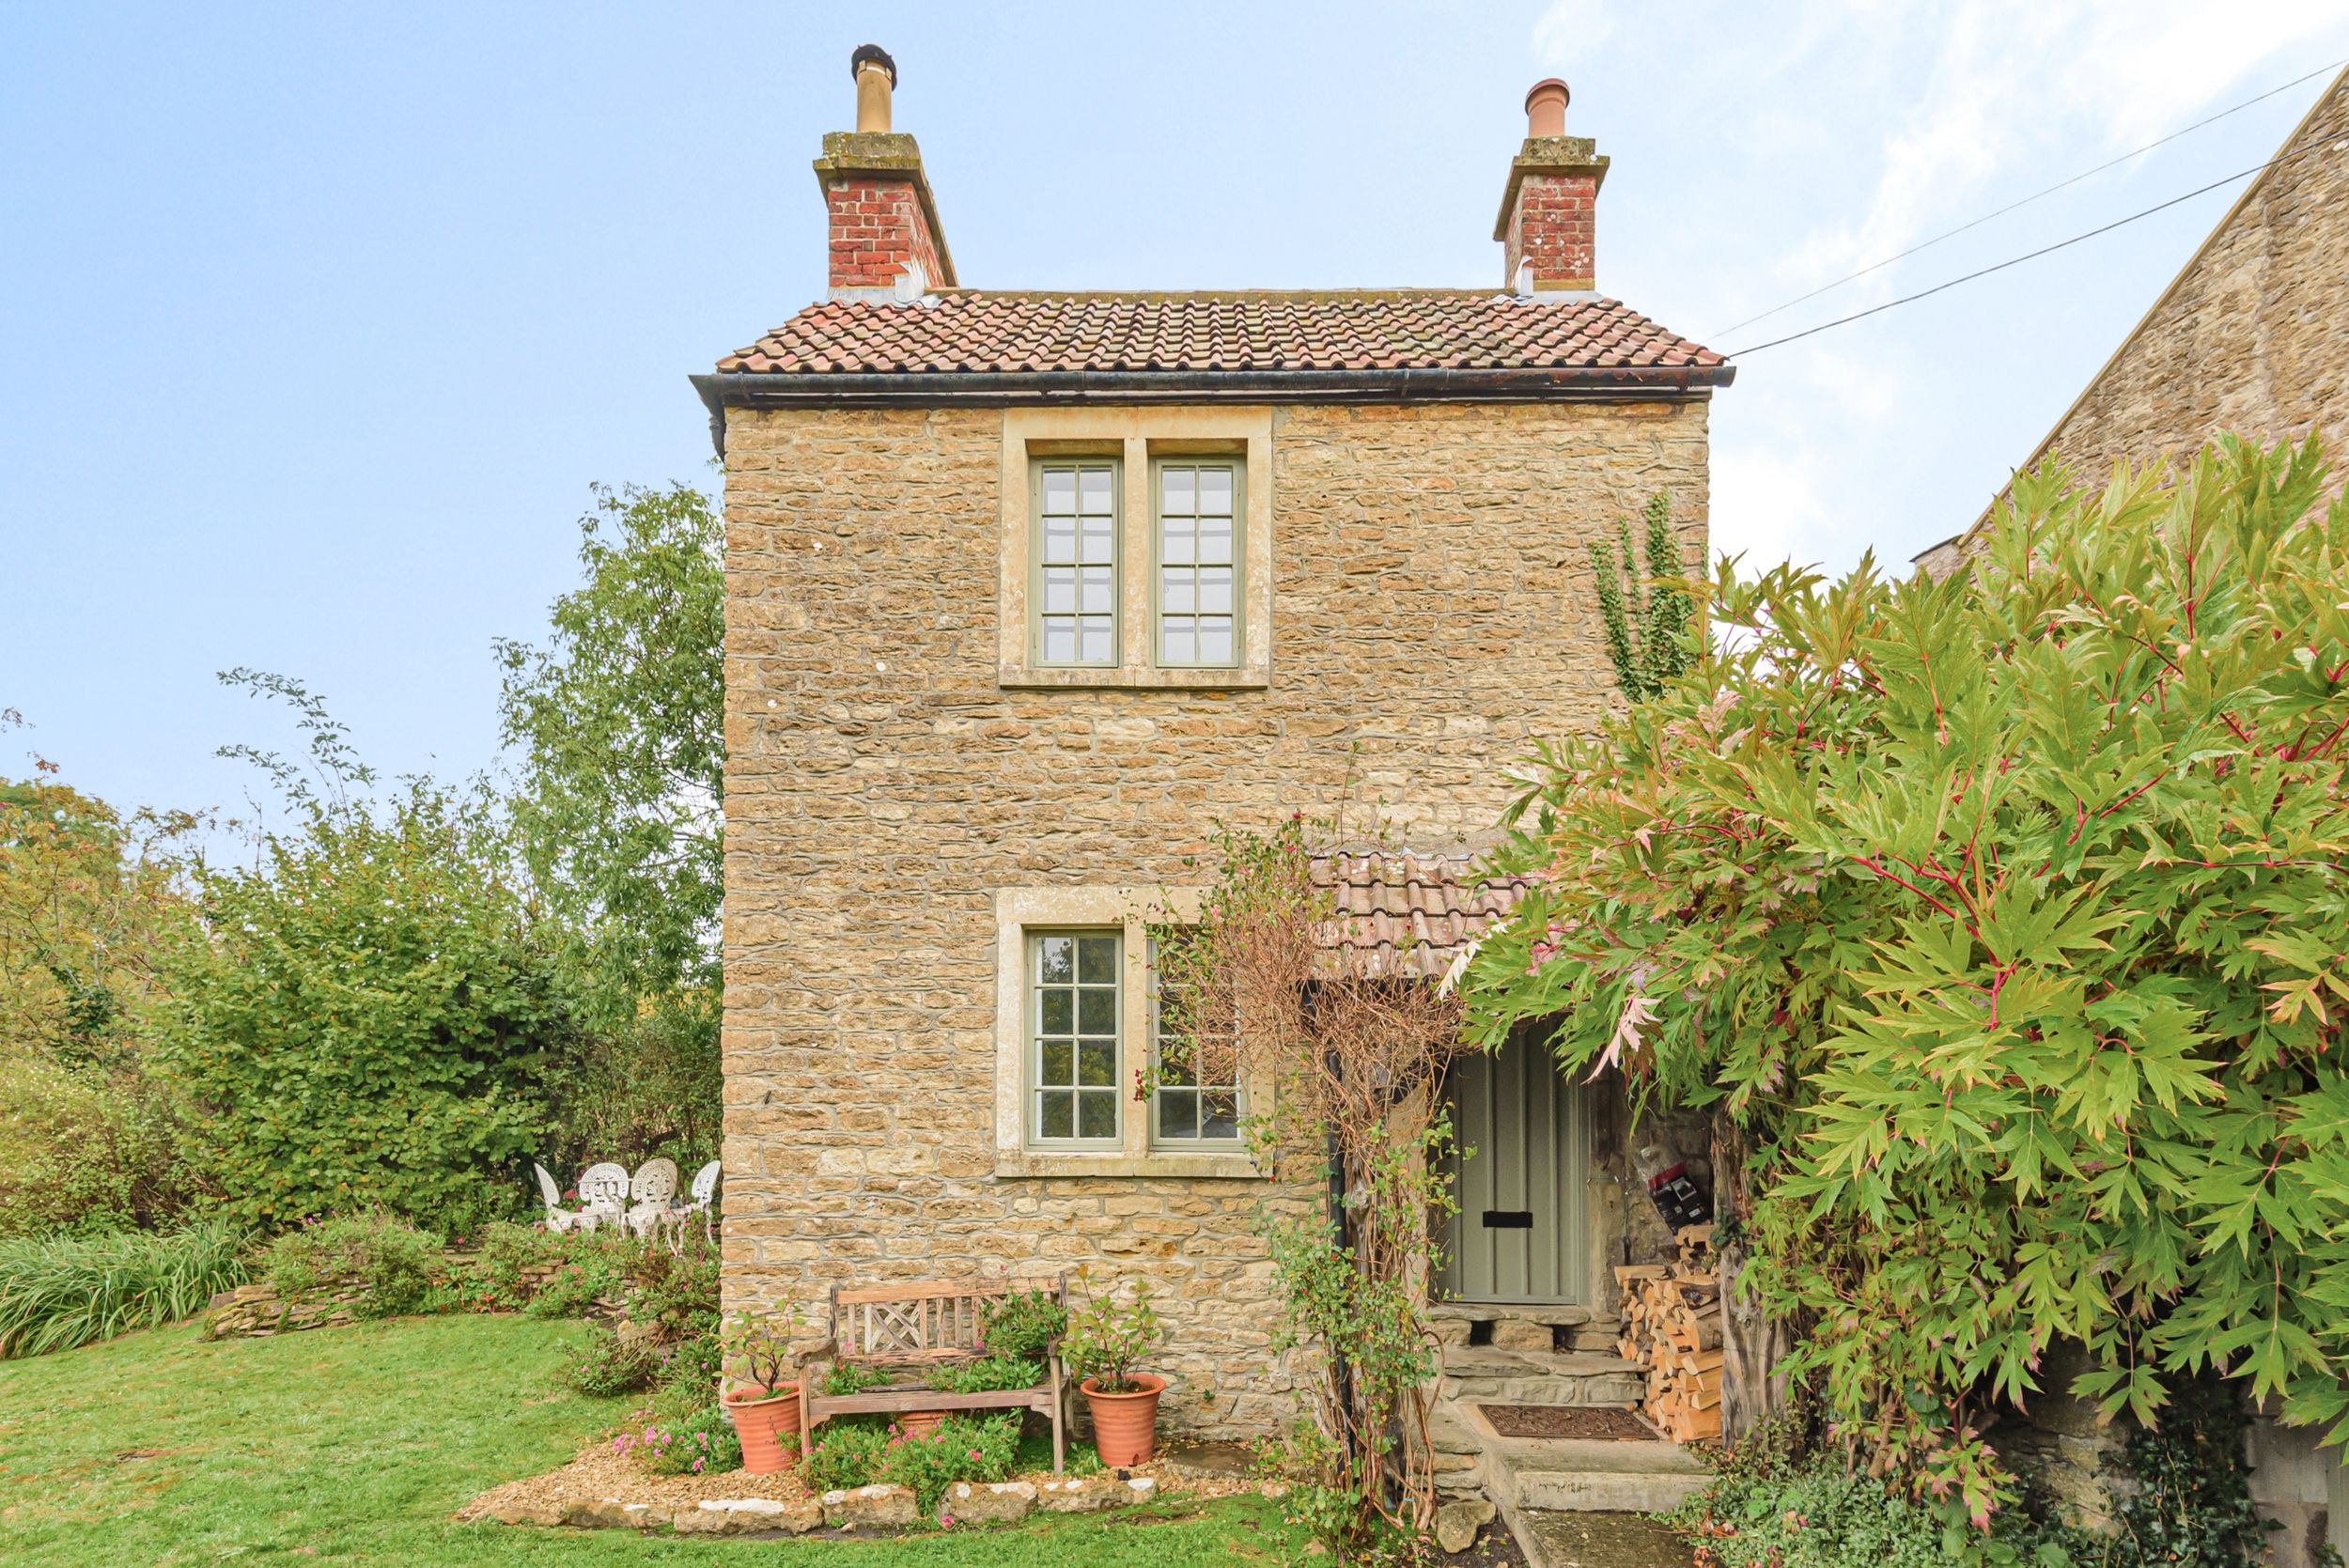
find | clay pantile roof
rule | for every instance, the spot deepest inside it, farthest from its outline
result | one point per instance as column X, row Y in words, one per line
column 987, row 332
column 1410, row 911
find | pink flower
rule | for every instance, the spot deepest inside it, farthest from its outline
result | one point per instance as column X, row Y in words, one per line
column 697, row 1467
column 975, row 1454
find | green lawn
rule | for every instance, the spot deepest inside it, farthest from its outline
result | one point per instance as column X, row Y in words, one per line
column 354, row 1445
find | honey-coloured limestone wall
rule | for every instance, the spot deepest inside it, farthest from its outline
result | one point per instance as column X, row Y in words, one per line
column 1433, row 615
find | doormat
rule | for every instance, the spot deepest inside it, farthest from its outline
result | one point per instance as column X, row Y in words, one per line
column 1568, row 1420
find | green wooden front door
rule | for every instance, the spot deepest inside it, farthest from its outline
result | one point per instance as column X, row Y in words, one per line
column 1522, row 1234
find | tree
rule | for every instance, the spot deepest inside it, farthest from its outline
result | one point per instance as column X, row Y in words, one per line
column 1647, row 621
column 2002, row 918
column 620, row 721
column 620, row 718
column 378, row 1010
column 88, row 906
column 87, row 899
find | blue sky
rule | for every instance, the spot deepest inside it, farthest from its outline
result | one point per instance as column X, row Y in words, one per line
column 316, row 322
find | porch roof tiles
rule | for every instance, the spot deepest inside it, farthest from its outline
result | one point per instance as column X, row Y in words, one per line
column 1410, row 911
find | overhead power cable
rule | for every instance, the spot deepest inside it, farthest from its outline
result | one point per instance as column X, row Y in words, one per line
column 2010, row 207
column 2281, row 158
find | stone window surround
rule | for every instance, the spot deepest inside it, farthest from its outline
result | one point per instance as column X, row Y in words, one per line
column 1019, row 910
column 1136, row 435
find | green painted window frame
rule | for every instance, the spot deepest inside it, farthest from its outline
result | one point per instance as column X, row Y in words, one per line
column 1239, row 467
column 1038, row 467
column 1195, row 1091
column 1035, row 1050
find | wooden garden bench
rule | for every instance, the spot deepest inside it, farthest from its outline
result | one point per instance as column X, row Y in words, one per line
column 917, row 1326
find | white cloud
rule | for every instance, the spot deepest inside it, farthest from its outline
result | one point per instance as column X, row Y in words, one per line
column 1765, row 505
column 2009, row 77
column 1570, row 32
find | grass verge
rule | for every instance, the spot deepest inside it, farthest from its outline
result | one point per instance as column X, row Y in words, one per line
column 354, row 1445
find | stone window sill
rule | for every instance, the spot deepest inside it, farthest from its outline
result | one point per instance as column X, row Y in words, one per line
column 1167, row 1164
column 1246, row 678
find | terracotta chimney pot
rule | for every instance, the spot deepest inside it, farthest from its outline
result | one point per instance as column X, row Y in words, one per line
column 1545, row 109
column 882, row 241
column 1547, row 226
column 876, row 73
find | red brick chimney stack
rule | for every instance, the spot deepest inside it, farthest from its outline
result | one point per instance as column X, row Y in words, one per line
column 1547, row 212
column 883, row 237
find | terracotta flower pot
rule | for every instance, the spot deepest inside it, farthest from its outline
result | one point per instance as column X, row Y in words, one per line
column 1126, row 1426
column 919, row 1423
column 768, row 1422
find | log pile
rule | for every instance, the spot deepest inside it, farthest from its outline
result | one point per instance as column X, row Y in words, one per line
column 1672, row 1326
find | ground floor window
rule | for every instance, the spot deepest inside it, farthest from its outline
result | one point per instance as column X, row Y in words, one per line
column 1195, row 1089
column 1093, row 1076
column 1074, row 1016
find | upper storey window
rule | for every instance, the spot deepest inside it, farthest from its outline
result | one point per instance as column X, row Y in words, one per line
column 1196, row 579
column 1136, row 548
column 1075, row 590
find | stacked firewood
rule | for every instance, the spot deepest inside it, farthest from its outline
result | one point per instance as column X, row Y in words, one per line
column 1672, row 1326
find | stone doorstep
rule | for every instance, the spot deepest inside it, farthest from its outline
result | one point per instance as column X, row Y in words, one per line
column 1582, row 1475
column 1615, row 1540
column 1534, row 1481
column 1562, row 1315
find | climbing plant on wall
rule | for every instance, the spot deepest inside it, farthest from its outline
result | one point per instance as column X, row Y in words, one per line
column 1647, row 618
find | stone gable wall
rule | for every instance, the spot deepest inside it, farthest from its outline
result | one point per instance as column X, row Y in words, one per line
column 2253, row 338
column 1433, row 615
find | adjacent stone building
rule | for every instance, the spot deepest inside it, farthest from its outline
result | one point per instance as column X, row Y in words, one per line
column 1026, row 592
column 2251, row 337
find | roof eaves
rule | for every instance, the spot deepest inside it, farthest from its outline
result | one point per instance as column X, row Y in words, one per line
column 724, row 390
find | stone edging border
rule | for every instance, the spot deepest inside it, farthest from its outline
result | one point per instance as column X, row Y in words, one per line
column 871, row 1508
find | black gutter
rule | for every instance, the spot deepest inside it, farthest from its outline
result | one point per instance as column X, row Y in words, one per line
column 1026, row 389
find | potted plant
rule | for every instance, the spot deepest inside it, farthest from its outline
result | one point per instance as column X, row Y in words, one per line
column 1103, row 1342
column 763, row 1398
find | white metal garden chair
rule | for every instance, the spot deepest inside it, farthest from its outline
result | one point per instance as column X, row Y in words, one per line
column 705, row 1189
column 558, row 1217
column 654, row 1185
column 604, row 1189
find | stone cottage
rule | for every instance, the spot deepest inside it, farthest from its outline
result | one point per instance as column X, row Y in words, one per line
column 1026, row 591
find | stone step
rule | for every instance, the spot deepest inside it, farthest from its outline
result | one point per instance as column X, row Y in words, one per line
column 1485, row 1360
column 1562, row 1315
column 1448, row 1433
column 1578, row 1475
column 1523, row 1328
column 1614, row 1393
column 1484, row 1375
